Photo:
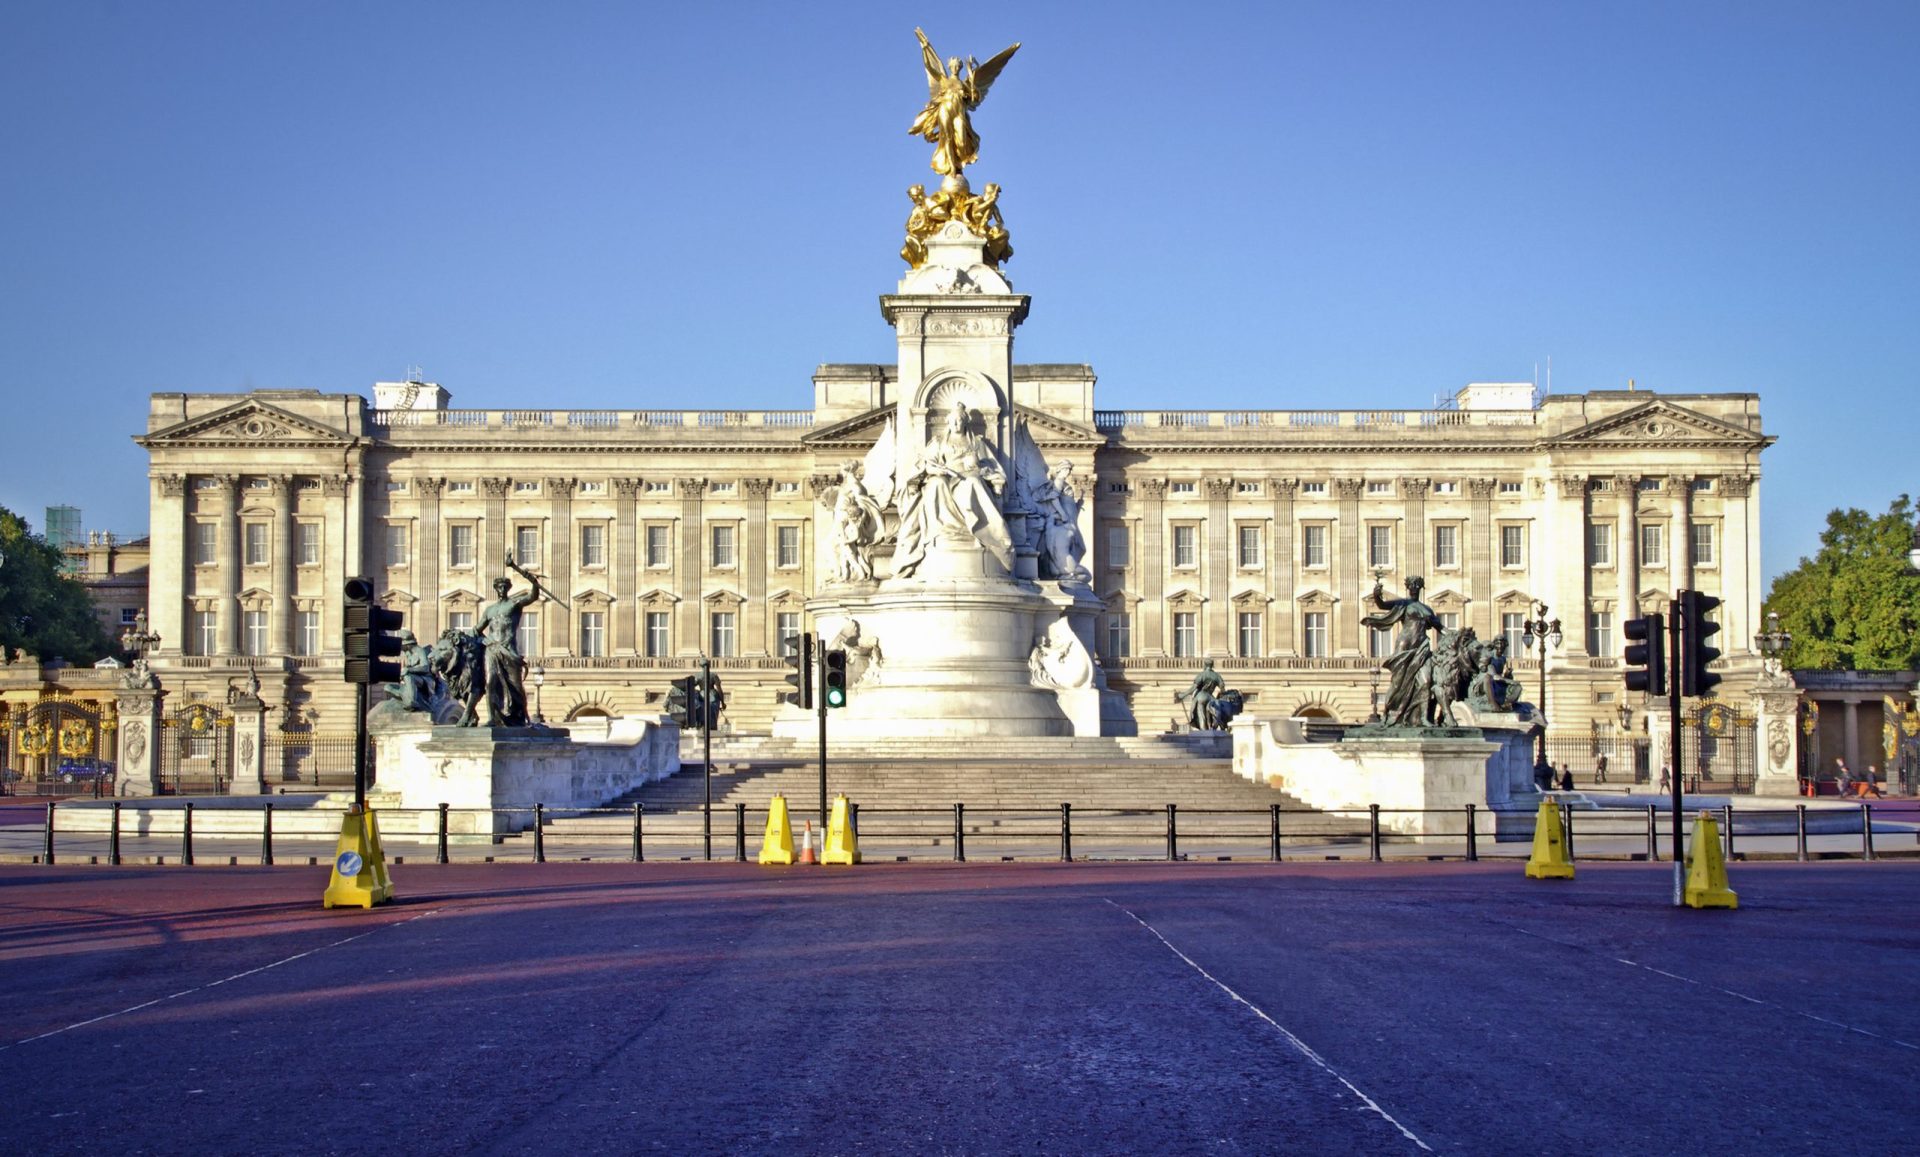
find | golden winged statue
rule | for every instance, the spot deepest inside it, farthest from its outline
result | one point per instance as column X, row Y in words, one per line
column 953, row 92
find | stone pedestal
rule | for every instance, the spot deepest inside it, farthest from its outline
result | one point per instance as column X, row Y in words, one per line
column 249, row 745
column 1422, row 783
column 1776, row 709
column 138, row 771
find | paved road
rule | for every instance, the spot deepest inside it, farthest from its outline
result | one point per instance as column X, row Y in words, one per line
column 611, row 1008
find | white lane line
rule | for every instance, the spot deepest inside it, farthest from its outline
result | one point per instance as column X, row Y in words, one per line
column 1765, row 1003
column 212, row 984
column 1299, row 1045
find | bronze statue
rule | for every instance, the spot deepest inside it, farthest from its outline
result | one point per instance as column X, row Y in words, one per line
column 953, row 93
column 460, row 658
column 1410, row 698
column 1209, row 703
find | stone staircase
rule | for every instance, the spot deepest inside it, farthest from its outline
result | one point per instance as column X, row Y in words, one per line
column 1012, row 789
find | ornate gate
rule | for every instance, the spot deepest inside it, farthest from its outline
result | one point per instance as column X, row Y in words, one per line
column 59, row 746
column 1719, row 749
column 196, row 751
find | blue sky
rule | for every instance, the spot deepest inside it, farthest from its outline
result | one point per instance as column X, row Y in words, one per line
column 1266, row 205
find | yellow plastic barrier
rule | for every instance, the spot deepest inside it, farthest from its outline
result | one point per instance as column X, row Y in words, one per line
column 777, row 846
column 359, row 865
column 1549, row 860
column 842, row 846
column 1707, row 868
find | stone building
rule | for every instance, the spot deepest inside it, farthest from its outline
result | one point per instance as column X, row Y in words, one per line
column 1251, row 537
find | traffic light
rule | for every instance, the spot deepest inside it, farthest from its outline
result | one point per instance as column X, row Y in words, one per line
column 680, row 699
column 836, row 678
column 1695, row 652
column 1647, row 654
column 799, row 656
column 369, row 636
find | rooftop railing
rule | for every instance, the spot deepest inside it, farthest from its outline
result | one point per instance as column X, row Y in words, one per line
column 596, row 419
column 1308, row 419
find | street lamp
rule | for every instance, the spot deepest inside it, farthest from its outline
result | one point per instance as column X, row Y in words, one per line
column 1625, row 712
column 539, row 680
column 1373, row 695
column 1545, row 633
column 1772, row 643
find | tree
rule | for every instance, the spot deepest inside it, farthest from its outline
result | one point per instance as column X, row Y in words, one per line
column 43, row 612
column 1856, row 604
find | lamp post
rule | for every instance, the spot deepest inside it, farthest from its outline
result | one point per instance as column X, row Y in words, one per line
column 1544, row 633
column 539, row 680
column 1772, row 643
column 1373, row 695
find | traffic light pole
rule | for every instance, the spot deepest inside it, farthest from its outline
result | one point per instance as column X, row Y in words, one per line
column 360, row 747
column 706, row 737
column 1673, row 744
column 820, row 705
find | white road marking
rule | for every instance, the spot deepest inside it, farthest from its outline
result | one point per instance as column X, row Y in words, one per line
column 1764, row 1003
column 1299, row 1045
column 212, row 984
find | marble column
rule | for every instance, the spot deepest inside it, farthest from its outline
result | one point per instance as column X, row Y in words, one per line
column 753, row 635
column 691, row 572
column 557, row 624
column 280, row 610
column 493, row 535
column 1626, row 552
column 1413, row 539
column 1739, row 554
column 335, row 493
column 1480, row 560
column 1153, row 570
column 1566, row 562
column 626, row 565
column 426, row 560
column 1281, row 563
column 170, row 565
column 1220, row 547
column 1851, row 736
column 228, row 566
column 1680, row 486
column 1348, row 568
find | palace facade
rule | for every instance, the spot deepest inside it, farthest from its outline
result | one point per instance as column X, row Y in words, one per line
column 1250, row 537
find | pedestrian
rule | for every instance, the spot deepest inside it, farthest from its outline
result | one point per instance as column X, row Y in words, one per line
column 1566, row 778
column 1600, row 771
column 1873, row 782
column 1666, row 778
column 1842, row 777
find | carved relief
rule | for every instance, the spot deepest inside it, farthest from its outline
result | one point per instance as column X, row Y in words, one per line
column 136, row 740
column 172, row 485
column 1416, row 488
column 1348, row 489
column 1219, row 489
column 246, row 751
column 1779, row 742
column 627, row 488
column 1736, row 485
column 430, row 487
column 1284, row 487
column 1154, row 488
column 335, row 486
column 819, row 484
column 937, row 326
column 1481, row 489
column 495, row 487
column 1572, row 486
column 693, row 488
column 559, row 488
column 757, row 488
column 907, row 323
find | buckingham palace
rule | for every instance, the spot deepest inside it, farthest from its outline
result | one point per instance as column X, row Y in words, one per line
column 1248, row 537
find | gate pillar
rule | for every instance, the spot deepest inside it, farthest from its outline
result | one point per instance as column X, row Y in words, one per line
column 138, row 769
column 249, row 717
column 1776, row 710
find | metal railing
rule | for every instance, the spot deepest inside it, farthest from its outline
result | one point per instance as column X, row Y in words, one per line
column 277, row 831
column 594, row 419
column 1124, row 420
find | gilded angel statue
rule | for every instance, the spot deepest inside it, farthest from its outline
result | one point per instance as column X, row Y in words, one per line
column 953, row 92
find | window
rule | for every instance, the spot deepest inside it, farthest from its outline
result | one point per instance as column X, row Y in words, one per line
column 306, row 633
column 460, row 620
column 593, row 545
column 1509, row 488
column 526, row 488
column 1313, row 635
column 786, row 488
column 396, row 544
column 396, row 486
column 656, row 486
column 1446, row 546
column 1703, row 484
column 1600, row 483
column 787, row 546
column 659, row 546
column 1186, row 634
column 1379, row 642
column 257, row 484
column 206, row 543
column 1119, row 635
column 1600, row 634
column 593, row 488
column 527, row 638
column 1512, row 625
column 723, row 488
column 1313, row 545
column 722, row 545
column 1449, row 620
column 1703, row 544
column 460, row 487
column 1186, row 551
column 1446, row 488
column 1653, row 541
column 1246, row 488
column 593, row 634
column 204, row 631
column 253, row 634
column 1377, row 486
column 129, row 616
column 1513, row 546
column 256, row 543
column 1650, row 484
column 723, row 635
column 460, row 546
column 526, row 545
column 1250, row 635
column 1119, row 548
column 1249, row 546
column 306, row 543
column 1380, row 546
column 787, row 629
column 659, row 635
column 1600, row 544
column 1313, row 488
column 1119, row 488
column 1182, row 488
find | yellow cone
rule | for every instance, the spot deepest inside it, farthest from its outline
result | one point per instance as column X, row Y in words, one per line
column 359, row 865
column 1549, row 859
column 842, row 847
column 1707, row 868
column 777, row 846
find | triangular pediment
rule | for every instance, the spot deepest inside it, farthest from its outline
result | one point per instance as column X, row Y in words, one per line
column 249, row 422
column 1512, row 597
column 659, row 597
column 1659, row 423
column 1445, row 598
column 1316, row 598
column 1251, row 597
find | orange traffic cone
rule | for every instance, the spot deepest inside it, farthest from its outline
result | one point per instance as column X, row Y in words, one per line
column 806, row 845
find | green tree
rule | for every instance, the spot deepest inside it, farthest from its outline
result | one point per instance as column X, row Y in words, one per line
column 43, row 612
column 1856, row 604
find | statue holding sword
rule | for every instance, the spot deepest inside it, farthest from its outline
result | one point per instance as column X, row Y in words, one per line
column 499, row 630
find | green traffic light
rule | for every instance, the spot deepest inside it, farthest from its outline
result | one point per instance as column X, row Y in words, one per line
column 836, row 697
